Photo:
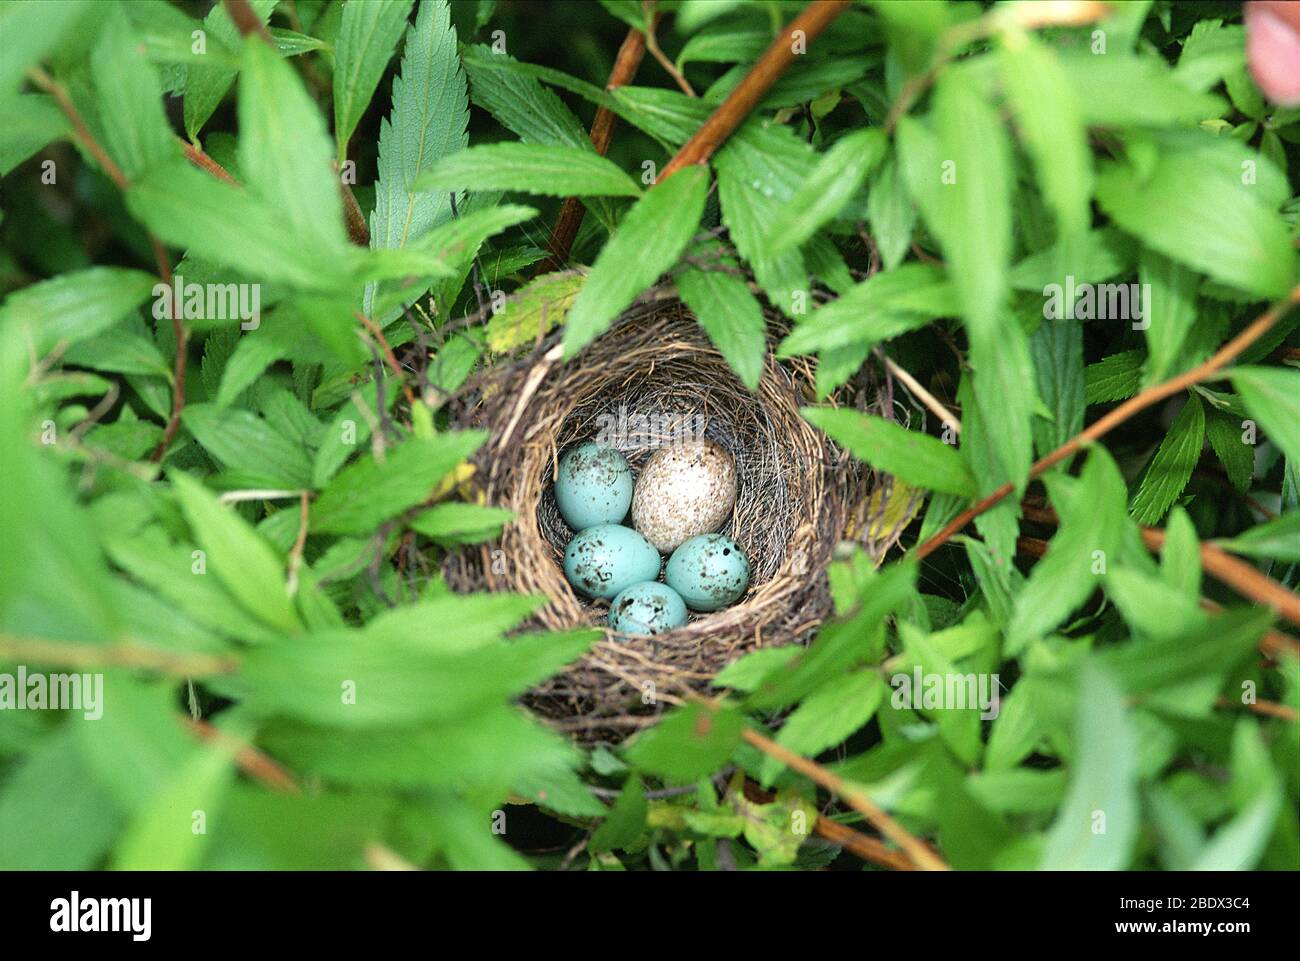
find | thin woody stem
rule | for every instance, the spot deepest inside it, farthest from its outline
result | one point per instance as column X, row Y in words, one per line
column 626, row 64
column 731, row 113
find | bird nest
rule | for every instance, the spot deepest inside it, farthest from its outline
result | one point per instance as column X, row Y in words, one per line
column 655, row 379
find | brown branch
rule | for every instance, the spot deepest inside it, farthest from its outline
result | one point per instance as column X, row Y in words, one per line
column 251, row 761
column 353, row 218
column 246, row 21
column 626, row 64
column 774, row 61
column 196, row 156
column 1152, row 395
column 917, row 850
column 389, row 357
column 300, row 542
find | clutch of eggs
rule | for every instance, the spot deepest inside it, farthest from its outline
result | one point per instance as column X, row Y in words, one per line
column 684, row 494
column 684, row 490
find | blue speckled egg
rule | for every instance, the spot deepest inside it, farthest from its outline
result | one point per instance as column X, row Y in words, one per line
column 709, row 572
column 647, row 608
column 593, row 486
column 602, row 560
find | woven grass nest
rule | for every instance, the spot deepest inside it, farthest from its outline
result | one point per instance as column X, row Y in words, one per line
column 652, row 378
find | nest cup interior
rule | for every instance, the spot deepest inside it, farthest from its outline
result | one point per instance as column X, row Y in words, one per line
column 651, row 380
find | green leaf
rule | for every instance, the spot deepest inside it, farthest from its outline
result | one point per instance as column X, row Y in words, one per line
column 206, row 86
column 1091, row 531
column 31, row 122
column 974, row 221
column 1239, row 844
column 759, row 170
column 884, row 306
column 1171, row 467
column 162, row 837
column 229, row 225
column 1172, row 308
column 1099, row 821
column 519, row 102
column 691, row 742
column 1180, row 558
column 1004, row 392
column 918, row 459
column 368, row 34
column 1116, row 377
column 557, row 171
column 1051, row 124
column 827, row 188
column 533, row 310
column 369, row 492
column 1227, row 437
column 76, row 306
column 828, row 716
column 1121, row 91
column 428, row 121
column 461, row 523
column 237, row 555
column 648, row 241
column 249, row 445
column 284, row 151
column 1057, row 351
column 1278, row 539
column 626, row 820
column 1272, row 396
column 893, row 216
column 129, row 97
column 731, row 316
column 1197, row 201
column 396, row 682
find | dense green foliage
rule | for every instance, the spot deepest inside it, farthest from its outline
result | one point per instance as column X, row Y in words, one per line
column 1133, row 149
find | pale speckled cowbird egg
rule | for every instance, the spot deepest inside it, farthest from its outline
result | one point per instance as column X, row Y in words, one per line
column 604, row 559
column 593, row 485
column 709, row 572
column 647, row 608
column 684, row 490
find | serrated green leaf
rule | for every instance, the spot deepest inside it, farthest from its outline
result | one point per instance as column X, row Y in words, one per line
column 1090, row 537
column 428, row 121
column 369, row 492
column 75, row 306
column 1272, row 396
column 237, row 555
column 827, row 188
column 648, row 241
column 369, row 32
column 884, row 306
column 1098, row 824
column 1116, row 377
column 730, row 315
column 1171, row 467
column 691, row 742
column 206, row 85
column 249, row 445
column 1278, row 539
column 917, row 458
column 557, row 171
